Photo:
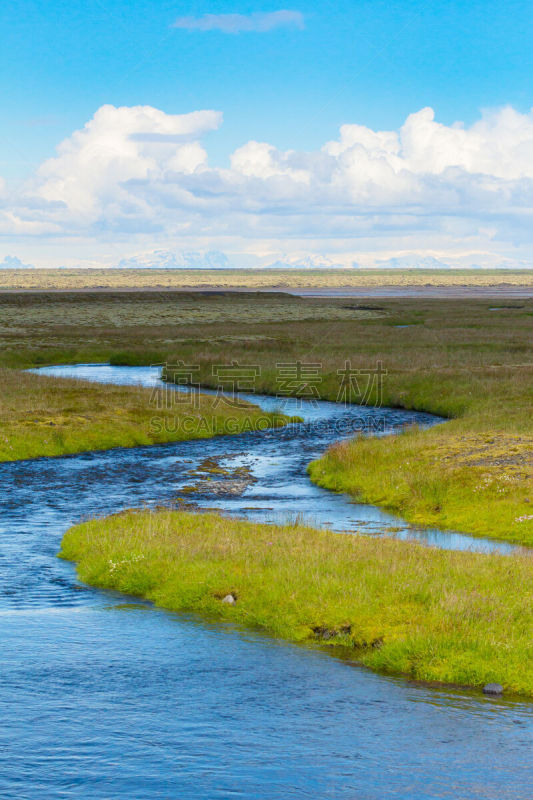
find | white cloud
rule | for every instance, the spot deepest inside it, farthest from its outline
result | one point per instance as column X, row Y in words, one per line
column 261, row 160
column 137, row 179
column 119, row 145
column 258, row 22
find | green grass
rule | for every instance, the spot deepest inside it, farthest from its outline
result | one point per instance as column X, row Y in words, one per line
column 44, row 416
column 399, row 607
column 450, row 477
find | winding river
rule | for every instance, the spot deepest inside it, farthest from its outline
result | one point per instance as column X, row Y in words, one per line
column 104, row 697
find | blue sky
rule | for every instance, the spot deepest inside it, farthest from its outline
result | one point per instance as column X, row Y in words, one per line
column 367, row 61
column 292, row 84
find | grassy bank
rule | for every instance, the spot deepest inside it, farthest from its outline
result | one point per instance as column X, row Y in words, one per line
column 42, row 416
column 398, row 607
column 455, row 477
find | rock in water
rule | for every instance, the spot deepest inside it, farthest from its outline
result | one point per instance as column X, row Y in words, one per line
column 229, row 599
column 493, row 688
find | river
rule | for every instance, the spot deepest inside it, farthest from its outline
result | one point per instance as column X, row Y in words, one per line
column 105, row 697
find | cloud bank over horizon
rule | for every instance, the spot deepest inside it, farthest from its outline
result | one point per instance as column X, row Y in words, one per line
column 135, row 180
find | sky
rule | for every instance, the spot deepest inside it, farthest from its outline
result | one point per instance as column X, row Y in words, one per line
column 248, row 134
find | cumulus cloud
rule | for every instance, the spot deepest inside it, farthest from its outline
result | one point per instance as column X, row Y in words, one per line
column 258, row 22
column 426, row 188
column 117, row 146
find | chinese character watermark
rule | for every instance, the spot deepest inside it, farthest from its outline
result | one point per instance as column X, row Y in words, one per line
column 179, row 388
column 300, row 380
column 234, row 379
column 363, row 386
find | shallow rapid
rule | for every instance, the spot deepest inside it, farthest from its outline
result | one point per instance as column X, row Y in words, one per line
column 102, row 697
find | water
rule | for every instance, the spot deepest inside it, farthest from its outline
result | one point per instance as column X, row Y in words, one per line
column 101, row 697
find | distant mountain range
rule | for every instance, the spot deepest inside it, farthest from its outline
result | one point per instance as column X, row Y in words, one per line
column 12, row 262
column 186, row 259
column 412, row 262
column 216, row 259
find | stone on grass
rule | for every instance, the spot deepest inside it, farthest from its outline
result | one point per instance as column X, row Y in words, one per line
column 229, row 599
column 493, row 688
